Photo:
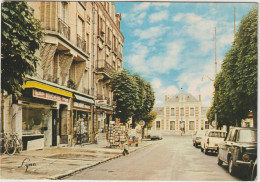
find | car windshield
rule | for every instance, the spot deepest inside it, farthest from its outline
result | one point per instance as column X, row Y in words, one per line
column 247, row 136
column 217, row 134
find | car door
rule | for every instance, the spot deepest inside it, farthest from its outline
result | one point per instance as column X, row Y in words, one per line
column 225, row 146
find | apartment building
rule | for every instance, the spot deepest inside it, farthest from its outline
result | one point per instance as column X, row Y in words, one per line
column 68, row 99
column 182, row 112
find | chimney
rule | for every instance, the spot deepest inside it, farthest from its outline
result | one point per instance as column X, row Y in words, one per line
column 166, row 98
column 199, row 97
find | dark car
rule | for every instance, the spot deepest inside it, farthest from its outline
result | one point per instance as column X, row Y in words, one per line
column 239, row 150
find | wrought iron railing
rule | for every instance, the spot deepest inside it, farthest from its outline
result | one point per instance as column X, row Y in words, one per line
column 81, row 43
column 63, row 28
column 104, row 66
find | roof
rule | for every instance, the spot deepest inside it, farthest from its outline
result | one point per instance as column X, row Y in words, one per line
column 187, row 98
column 158, row 110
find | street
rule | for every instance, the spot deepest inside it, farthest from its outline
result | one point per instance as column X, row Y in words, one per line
column 173, row 158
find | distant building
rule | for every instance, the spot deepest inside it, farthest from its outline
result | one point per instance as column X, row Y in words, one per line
column 181, row 112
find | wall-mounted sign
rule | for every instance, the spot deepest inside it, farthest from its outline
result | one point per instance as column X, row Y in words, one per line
column 81, row 105
column 49, row 96
column 101, row 102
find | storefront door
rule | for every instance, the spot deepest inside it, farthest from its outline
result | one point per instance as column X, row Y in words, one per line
column 54, row 127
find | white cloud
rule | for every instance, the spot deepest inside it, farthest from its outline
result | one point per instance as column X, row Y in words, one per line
column 141, row 6
column 155, row 17
column 156, row 83
column 162, row 4
column 149, row 33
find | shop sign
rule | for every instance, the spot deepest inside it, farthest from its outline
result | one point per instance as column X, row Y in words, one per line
column 101, row 102
column 49, row 96
column 81, row 105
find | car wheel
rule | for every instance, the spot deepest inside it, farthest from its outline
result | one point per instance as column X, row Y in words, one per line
column 205, row 150
column 220, row 162
column 231, row 167
column 201, row 149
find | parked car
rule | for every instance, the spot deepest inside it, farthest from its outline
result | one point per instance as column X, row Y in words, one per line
column 156, row 135
column 254, row 172
column 211, row 140
column 197, row 137
column 239, row 150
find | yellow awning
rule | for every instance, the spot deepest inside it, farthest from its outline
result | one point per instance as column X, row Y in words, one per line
column 34, row 84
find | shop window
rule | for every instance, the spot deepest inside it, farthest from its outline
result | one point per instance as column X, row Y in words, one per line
column 35, row 120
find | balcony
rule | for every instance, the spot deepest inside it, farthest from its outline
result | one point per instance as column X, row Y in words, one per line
column 63, row 28
column 109, row 44
column 101, row 35
column 81, row 43
column 115, row 51
column 120, row 55
column 104, row 67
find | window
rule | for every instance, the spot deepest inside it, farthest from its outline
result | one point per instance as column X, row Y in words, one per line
column 158, row 124
column 63, row 14
column 172, row 112
column 247, row 136
column 192, row 125
column 191, row 111
column 80, row 27
column 182, row 111
column 87, row 35
column 35, row 119
column 172, row 125
column 206, row 125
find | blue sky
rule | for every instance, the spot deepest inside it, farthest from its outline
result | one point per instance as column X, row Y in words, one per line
column 172, row 44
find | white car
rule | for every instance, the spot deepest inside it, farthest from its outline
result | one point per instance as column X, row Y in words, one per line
column 156, row 135
column 196, row 138
column 211, row 140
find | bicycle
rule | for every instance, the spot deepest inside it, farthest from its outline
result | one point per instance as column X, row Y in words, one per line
column 18, row 142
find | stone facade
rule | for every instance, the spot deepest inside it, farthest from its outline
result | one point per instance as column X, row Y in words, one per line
column 68, row 99
column 182, row 112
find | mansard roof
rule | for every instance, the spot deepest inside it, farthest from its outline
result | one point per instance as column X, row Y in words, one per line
column 187, row 98
column 158, row 110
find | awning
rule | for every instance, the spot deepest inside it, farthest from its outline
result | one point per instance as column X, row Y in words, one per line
column 84, row 99
column 109, row 108
column 34, row 84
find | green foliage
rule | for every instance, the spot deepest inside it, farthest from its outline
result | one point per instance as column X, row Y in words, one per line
column 145, row 101
column 149, row 118
column 20, row 38
column 236, row 85
column 133, row 96
column 125, row 93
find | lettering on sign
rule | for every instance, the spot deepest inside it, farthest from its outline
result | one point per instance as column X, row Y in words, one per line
column 49, row 96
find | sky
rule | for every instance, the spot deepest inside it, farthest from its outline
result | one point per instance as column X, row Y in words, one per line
column 172, row 44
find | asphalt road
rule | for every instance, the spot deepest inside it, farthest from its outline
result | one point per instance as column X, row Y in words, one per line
column 173, row 158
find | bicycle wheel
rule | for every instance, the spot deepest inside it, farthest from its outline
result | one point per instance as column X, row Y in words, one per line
column 19, row 146
column 10, row 147
column 2, row 148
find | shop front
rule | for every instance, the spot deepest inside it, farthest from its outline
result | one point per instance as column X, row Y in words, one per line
column 44, row 114
column 82, row 117
column 104, row 116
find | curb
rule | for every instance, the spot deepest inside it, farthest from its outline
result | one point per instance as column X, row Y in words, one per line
column 64, row 175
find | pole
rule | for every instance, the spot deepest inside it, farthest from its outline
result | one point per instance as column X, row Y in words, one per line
column 216, row 69
column 234, row 22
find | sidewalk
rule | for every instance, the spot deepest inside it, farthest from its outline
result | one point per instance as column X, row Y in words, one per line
column 58, row 162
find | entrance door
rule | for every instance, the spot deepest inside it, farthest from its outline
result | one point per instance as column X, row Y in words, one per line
column 54, row 127
column 182, row 126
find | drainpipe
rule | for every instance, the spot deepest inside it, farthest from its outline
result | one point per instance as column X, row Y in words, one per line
column 93, row 71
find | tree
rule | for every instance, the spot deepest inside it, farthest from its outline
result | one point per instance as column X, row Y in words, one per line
column 145, row 101
column 149, row 118
column 125, row 93
column 20, row 39
column 236, row 85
